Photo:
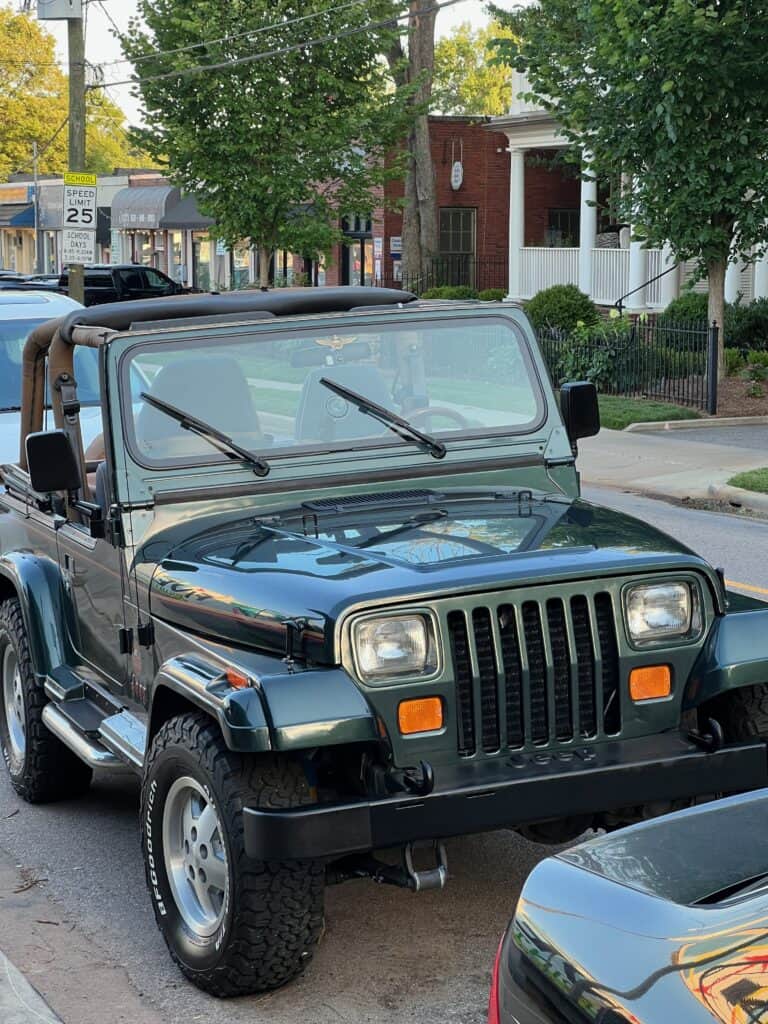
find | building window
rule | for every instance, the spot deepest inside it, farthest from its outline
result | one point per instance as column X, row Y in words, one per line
column 357, row 254
column 457, row 231
column 562, row 229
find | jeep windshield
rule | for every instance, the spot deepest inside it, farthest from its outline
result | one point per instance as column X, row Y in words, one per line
column 264, row 388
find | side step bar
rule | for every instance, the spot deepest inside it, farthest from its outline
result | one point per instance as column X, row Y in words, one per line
column 88, row 750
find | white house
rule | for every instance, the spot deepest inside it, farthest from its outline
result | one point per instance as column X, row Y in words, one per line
column 605, row 264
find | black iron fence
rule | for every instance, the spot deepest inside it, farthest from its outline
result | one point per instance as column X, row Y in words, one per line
column 668, row 362
column 458, row 271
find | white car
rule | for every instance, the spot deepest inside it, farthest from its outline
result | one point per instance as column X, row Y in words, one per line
column 20, row 312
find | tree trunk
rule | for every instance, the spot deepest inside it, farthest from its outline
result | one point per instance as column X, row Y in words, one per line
column 716, row 307
column 420, row 207
column 265, row 256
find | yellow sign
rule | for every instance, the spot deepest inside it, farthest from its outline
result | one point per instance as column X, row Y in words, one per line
column 76, row 178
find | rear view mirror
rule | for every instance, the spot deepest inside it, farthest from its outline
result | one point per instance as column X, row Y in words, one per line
column 52, row 462
column 581, row 413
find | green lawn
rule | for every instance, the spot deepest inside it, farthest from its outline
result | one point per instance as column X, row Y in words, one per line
column 617, row 413
column 752, row 480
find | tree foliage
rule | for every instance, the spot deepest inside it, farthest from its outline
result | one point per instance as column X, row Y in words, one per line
column 466, row 80
column 674, row 95
column 34, row 106
column 273, row 148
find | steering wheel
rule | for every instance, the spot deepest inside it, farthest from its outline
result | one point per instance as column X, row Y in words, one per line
column 437, row 410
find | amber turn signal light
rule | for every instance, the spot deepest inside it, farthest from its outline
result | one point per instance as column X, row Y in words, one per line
column 422, row 715
column 237, row 680
column 650, row 683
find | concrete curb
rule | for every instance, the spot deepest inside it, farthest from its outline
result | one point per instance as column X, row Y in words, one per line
column 704, row 424
column 19, row 1002
column 751, row 500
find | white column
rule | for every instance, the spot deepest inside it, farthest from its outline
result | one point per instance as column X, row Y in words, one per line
column 732, row 280
column 638, row 275
column 761, row 277
column 516, row 221
column 670, row 283
column 587, row 226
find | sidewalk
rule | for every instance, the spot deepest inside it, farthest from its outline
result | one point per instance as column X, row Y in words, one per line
column 661, row 463
column 19, row 1003
column 60, row 959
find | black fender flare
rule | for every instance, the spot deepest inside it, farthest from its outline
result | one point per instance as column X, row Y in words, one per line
column 735, row 655
column 45, row 607
column 287, row 711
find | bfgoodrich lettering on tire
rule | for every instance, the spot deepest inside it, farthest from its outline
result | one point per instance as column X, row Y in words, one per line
column 233, row 925
column 40, row 766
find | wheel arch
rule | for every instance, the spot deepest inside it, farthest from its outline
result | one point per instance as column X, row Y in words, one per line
column 35, row 581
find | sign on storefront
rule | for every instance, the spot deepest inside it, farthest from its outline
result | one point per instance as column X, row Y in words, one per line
column 395, row 243
column 78, row 246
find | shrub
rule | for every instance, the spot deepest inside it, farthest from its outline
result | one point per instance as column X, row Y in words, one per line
column 492, row 294
column 450, row 291
column 746, row 326
column 562, row 307
column 734, row 361
column 687, row 307
column 757, row 358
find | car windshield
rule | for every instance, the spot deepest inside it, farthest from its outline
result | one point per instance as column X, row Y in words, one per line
column 13, row 335
column 265, row 389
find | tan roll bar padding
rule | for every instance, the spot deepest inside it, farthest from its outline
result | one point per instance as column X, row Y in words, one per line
column 33, row 383
column 47, row 340
column 61, row 360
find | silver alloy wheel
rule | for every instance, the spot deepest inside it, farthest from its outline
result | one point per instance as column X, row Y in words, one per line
column 195, row 856
column 13, row 699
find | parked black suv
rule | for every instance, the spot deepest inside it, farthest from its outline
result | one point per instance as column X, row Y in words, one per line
column 107, row 283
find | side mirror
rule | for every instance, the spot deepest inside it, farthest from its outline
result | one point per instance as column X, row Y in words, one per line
column 581, row 413
column 52, row 462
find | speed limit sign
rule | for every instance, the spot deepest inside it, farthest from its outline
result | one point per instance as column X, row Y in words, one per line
column 79, row 206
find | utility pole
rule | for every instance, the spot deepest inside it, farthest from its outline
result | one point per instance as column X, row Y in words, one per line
column 76, row 43
column 38, row 266
column 76, row 54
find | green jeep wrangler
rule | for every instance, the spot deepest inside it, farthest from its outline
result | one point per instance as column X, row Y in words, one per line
column 323, row 580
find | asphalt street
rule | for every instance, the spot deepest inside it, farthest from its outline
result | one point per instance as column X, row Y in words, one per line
column 387, row 955
column 752, row 436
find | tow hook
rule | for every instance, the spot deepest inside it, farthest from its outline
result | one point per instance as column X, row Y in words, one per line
column 710, row 741
column 431, row 878
column 405, row 876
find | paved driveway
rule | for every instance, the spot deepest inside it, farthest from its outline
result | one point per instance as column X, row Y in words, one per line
column 755, row 437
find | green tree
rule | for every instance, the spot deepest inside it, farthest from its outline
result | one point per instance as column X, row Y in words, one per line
column 466, row 79
column 33, row 106
column 274, row 148
column 672, row 94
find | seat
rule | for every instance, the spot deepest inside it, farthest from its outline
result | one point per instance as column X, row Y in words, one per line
column 325, row 416
column 212, row 388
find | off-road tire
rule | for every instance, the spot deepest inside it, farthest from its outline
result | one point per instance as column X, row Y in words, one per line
column 48, row 770
column 274, row 915
column 743, row 713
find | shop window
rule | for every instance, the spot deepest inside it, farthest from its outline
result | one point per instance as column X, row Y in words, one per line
column 562, row 229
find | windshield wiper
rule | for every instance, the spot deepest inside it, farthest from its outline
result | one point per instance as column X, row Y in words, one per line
column 395, row 423
column 211, row 434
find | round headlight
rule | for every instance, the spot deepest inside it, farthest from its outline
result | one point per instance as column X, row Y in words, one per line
column 660, row 611
column 392, row 646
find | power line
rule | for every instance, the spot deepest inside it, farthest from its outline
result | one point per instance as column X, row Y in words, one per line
column 227, row 39
column 47, row 146
column 251, row 58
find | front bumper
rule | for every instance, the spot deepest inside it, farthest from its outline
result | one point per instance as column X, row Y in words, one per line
column 483, row 796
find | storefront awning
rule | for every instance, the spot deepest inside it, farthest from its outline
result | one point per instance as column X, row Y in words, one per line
column 143, row 208
column 17, row 215
column 185, row 216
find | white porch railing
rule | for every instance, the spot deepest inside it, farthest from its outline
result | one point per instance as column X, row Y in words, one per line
column 540, row 268
column 610, row 275
column 654, row 266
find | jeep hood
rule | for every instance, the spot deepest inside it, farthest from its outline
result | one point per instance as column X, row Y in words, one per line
column 243, row 581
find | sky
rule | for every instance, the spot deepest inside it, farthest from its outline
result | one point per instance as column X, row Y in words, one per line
column 102, row 46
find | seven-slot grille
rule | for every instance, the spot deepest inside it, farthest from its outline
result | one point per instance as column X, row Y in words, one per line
column 535, row 673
